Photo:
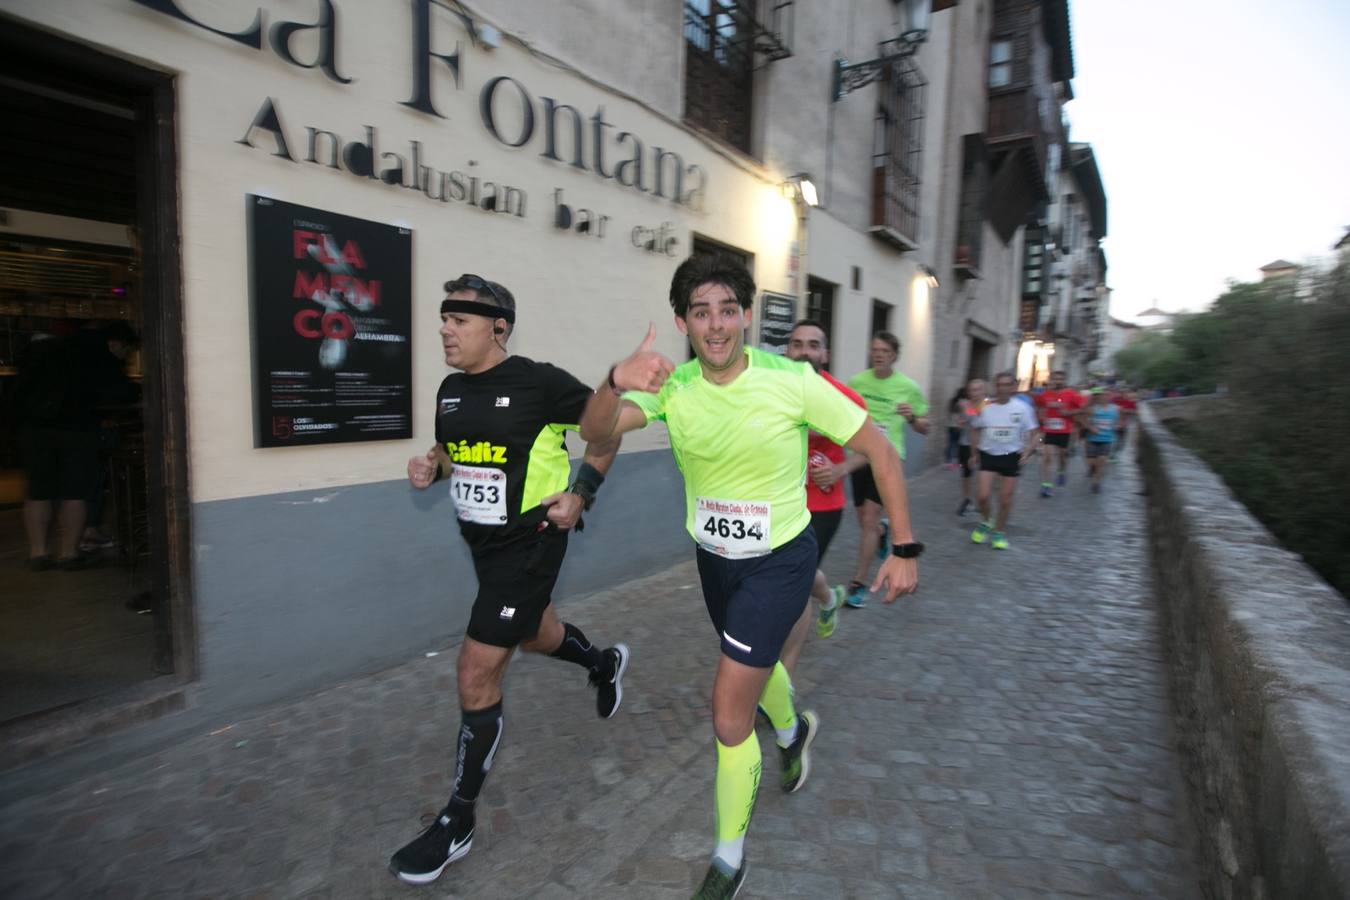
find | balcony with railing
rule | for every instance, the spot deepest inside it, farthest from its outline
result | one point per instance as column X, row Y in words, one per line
column 1015, row 125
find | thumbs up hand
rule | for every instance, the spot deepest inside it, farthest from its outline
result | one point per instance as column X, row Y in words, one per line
column 645, row 369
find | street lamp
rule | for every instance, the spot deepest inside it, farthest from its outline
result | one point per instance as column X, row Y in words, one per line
column 801, row 185
column 851, row 77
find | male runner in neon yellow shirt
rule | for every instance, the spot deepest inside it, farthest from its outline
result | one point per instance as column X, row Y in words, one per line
column 893, row 401
column 738, row 421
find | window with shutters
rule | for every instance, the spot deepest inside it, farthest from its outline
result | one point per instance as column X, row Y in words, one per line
column 897, row 153
column 723, row 40
column 1000, row 63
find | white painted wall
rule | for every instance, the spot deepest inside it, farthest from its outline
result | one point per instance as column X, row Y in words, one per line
column 583, row 301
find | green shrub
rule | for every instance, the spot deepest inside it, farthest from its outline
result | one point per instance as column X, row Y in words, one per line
column 1281, row 438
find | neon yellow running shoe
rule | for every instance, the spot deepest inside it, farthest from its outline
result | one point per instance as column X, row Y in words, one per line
column 981, row 532
column 826, row 618
column 999, row 542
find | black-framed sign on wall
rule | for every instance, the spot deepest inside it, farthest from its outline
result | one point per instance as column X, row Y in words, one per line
column 777, row 316
column 332, row 315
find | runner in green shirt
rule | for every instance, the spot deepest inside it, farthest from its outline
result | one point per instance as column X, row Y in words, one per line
column 738, row 421
column 893, row 401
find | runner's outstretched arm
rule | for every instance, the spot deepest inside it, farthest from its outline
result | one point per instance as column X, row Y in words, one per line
column 565, row 507
column 898, row 576
column 607, row 415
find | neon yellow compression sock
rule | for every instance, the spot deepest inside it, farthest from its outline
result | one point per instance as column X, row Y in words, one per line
column 737, row 783
column 778, row 706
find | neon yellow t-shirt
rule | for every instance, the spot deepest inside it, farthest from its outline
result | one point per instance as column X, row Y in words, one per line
column 742, row 447
column 882, row 395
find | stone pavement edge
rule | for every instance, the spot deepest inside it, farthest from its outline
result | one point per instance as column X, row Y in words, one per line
column 1005, row 733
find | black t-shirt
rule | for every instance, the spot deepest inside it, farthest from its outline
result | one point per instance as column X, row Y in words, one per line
column 504, row 430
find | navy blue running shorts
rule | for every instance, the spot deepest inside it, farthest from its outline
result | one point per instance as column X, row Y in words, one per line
column 753, row 603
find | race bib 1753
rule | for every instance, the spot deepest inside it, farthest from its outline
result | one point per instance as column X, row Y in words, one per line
column 479, row 494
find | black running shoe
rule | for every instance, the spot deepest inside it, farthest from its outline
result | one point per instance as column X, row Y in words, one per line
column 609, row 681
column 422, row 861
column 718, row 884
column 795, row 759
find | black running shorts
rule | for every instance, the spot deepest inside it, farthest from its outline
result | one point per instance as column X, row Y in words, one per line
column 515, row 586
column 60, row 463
column 1057, row 440
column 963, row 457
column 753, row 603
column 1008, row 465
column 864, row 488
column 825, row 524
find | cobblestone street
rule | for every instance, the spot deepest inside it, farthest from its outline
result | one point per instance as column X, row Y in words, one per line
column 1004, row 733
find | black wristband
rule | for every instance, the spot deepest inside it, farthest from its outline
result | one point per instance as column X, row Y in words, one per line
column 586, row 485
column 613, row 387
column 907, row 551
column 591, row 475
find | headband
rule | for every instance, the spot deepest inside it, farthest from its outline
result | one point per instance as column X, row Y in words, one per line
column 478, row 308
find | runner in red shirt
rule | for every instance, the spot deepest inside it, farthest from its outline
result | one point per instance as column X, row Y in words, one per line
column 827, row 464
column 1058, row 408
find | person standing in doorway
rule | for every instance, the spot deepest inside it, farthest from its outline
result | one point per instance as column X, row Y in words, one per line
column 63, row 384
column 894, row 402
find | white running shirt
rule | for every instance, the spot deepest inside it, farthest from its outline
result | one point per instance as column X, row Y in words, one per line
column 1004, row 427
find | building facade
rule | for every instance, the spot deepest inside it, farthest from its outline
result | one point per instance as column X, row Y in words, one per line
column 574, row 152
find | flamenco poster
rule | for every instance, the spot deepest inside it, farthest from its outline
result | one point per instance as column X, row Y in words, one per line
column 332, row 315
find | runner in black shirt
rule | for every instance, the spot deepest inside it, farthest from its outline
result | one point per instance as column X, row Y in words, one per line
column 500, row 424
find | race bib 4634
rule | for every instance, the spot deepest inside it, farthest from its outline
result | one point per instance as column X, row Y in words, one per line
column 735, row 529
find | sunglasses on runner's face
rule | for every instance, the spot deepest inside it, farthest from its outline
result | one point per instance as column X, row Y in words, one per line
column 477, row 284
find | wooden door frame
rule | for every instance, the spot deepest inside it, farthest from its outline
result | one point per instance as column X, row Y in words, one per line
column 68, row 64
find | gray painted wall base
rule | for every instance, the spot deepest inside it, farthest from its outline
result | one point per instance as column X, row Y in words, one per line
column 297, row 591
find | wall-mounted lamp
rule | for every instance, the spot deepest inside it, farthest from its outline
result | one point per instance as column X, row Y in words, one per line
column 929, row 275
column 913, row 33
column 801, row 185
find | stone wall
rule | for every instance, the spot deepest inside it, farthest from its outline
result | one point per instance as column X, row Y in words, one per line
column 1260, row 654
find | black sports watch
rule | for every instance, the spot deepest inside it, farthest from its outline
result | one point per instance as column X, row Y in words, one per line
column 907, row 551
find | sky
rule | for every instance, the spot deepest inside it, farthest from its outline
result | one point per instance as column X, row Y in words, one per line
column 1222, row 132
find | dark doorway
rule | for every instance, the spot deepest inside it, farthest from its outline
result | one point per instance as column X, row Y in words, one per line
column 820, row 305
column 881, row 318
column 91, row 381
column 981, row 354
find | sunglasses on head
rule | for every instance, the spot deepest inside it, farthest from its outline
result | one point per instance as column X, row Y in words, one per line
column 473, row 283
